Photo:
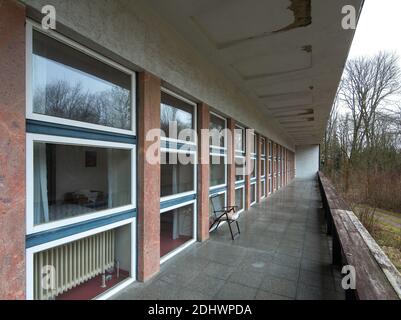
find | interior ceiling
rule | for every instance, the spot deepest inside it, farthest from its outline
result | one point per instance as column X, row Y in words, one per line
column 287, row 55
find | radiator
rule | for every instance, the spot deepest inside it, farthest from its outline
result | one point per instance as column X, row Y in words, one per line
column 74, row 263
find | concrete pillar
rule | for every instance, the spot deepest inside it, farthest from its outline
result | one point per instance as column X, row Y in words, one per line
column 148, row 178
column 259, row 164
column 12, row 146
column 231, row 163
column 203, row 172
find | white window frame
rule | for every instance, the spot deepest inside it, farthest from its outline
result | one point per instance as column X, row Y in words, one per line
column 270, row 186
column 255, row 194
column 224, row 156
column 254, row 142
column 186, row 193
column 244, row 158
column 176, row 251
column 264, row 189
column 31, row 138
column 263, row 143
column 238, row 127
column 262, row 160
column 225, row 132
column 254, row 158
column 243, row 197
column 30, row 26
column 177, row 96
column 29, row 255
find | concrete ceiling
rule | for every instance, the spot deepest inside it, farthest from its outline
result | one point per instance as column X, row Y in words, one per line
column 286, row 55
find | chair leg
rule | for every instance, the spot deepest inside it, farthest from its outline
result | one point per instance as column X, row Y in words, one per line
column 239, row 231
column 231, row 231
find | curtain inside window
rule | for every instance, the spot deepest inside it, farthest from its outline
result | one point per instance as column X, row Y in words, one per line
column 41, row 202
column 119, row 193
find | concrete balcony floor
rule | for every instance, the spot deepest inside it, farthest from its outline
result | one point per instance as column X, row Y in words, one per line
column 282, row 253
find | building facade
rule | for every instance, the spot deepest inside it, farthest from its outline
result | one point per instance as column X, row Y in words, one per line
column 84, row 213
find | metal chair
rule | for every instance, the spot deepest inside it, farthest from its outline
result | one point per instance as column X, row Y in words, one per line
column 227, row 214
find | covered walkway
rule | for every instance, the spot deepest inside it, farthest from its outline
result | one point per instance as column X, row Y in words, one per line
column 283, row 252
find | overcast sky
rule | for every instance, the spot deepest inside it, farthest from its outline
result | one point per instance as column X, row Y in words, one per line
column 379, row 28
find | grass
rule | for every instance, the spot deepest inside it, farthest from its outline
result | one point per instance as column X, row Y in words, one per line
column 385, row 228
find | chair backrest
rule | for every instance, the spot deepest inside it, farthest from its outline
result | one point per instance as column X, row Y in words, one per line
column 215, row 204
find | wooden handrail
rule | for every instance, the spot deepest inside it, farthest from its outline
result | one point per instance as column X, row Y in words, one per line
column 376, row 277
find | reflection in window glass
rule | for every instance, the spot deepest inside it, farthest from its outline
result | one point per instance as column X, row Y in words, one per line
column 270, row 167
column 239, row 137
column 253, row 192
column 176, row 228
column 263, row 194
column 217, row 171
column 70, row 181
column 217, row 125
column 69, row 84
column 239, row 199
column 175, row 176
column 174, row 110
column 254, row 168
column 263, row 168
column 263, row 146
column 240, row 168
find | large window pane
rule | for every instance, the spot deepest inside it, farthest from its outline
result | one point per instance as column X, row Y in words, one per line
column 217, row 125
column 176, row 114
column 217, row 171
column 176, row 228
column 176, row 176
column 263, row 167
column 263, row 186
column 239, row 199
column 254, row 168
column 263, row 146
column 72, row 180
column 239, row 169
column 69, row 84
column 253, row 192
column 239, row 136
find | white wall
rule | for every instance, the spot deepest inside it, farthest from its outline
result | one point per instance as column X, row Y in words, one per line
column 306, row 161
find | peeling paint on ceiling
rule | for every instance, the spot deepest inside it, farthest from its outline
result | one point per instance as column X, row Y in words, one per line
column 302, row 10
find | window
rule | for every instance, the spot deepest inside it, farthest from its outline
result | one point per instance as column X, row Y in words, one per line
column 254, row 168
column 176, row 176
column 263, row 167
column 69, row 84
column 70, row 181
column 80, row 188
column 239, row 139
column 176, row 117
column 240, row 169
column 176, row 228
column 217, row 127
column 217, row 171
column 240, row 198
column 253, row 193
column 263, row 146
column 263, row 191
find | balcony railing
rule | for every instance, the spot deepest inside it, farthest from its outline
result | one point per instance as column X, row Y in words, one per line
column 376, row 278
